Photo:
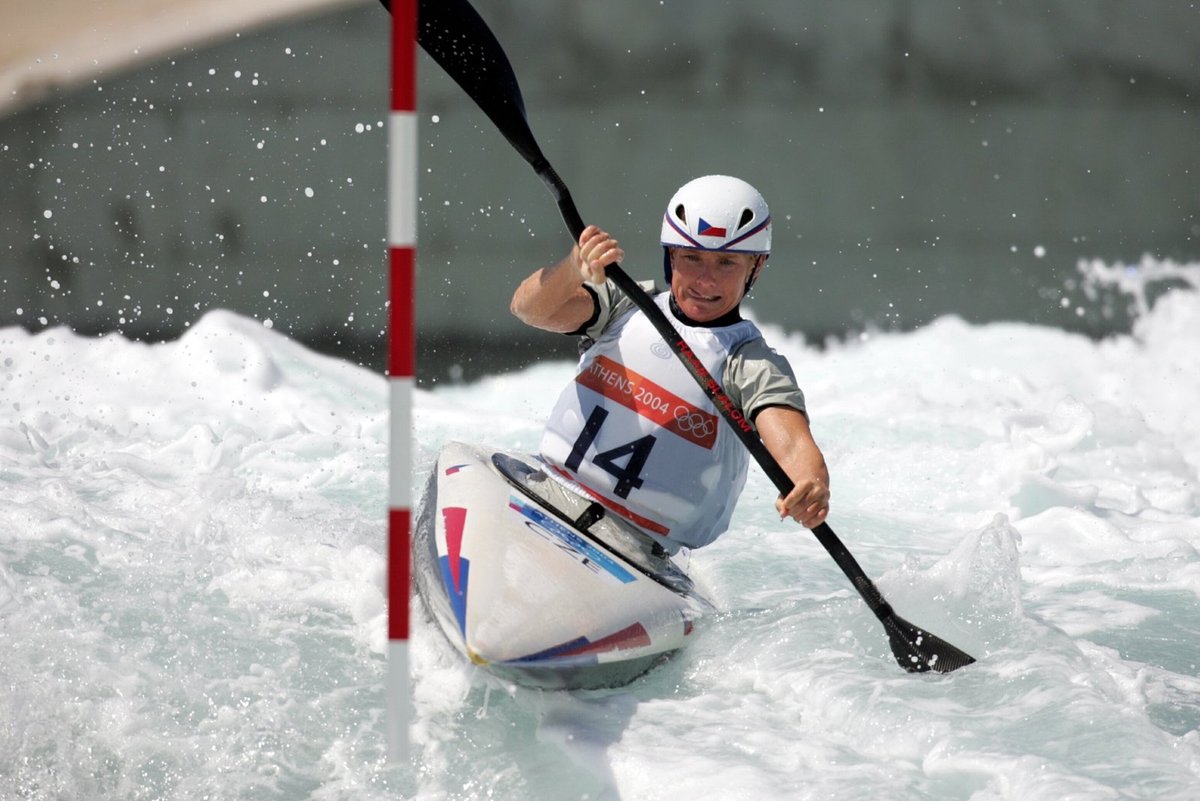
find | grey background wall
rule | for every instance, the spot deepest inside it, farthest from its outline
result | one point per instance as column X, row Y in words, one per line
column 920, row 159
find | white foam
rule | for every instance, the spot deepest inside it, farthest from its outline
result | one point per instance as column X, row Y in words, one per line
column 192, row 579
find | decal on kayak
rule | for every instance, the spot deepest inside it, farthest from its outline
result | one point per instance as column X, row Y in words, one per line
column 628, row 514
column 577, row 547
column 455, row 570
column 454, row 468
column 634, row 636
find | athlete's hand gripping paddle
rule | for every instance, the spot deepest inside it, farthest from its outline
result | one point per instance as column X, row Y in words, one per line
column 458, row 39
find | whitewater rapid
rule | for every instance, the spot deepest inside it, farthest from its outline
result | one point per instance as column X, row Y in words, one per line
column 192, row 579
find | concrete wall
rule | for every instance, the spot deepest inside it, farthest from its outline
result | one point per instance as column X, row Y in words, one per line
column 143, row 200
column 920, row 159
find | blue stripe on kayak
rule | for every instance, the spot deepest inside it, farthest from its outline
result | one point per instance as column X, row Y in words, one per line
column 552, row 653
column 632, row 636
column 578, row 544
column 458, row 597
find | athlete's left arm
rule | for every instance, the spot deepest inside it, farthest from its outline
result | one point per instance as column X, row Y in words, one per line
column 786, row 433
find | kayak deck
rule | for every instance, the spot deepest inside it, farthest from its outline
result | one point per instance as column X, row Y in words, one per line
column 533, row 582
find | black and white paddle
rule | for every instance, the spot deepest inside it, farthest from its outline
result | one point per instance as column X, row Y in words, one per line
column 457, row 38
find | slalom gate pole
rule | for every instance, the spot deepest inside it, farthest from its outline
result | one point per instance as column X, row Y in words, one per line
column 402, row 238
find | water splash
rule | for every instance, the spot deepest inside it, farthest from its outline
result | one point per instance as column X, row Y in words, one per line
column 192, row 562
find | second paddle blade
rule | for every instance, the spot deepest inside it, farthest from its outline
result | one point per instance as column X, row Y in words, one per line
column 918, row 651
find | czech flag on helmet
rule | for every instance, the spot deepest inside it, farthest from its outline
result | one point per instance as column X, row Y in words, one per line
column 707, row 229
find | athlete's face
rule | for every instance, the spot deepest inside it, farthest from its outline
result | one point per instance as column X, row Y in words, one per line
column 707, row 284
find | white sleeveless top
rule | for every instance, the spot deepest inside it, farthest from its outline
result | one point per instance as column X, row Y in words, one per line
column 638, row 434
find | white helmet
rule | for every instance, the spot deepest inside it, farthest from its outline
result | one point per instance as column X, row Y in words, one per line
column 718, row 212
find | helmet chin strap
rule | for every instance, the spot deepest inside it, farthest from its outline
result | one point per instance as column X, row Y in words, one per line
column 760, row 261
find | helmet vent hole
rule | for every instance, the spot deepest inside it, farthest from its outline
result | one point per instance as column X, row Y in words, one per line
column 746, row 219
column 681, row 213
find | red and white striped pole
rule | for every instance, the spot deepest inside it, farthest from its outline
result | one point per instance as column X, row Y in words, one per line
column 402, row 240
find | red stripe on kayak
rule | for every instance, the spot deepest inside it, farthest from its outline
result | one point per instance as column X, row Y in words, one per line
column 455, row 518
column 634, row 636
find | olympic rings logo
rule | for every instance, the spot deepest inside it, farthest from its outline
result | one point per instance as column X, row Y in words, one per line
column 690, row 422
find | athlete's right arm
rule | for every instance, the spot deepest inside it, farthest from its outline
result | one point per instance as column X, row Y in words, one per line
column 553, row 298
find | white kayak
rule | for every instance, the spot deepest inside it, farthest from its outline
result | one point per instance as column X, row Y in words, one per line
column 534, row 582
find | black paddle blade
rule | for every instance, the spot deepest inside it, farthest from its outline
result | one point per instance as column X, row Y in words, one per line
column 457, row 38
column 918, row 651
